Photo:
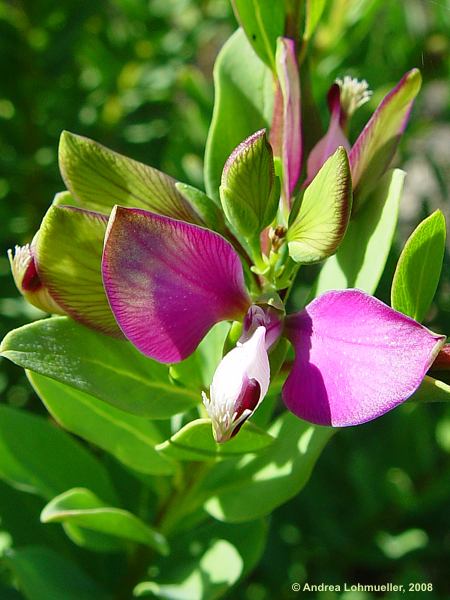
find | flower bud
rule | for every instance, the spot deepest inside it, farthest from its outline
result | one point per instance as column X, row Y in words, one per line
column 239, row 385
column 354, row 93
column 28, row 282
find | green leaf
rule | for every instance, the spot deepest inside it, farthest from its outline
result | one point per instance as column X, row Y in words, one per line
column 243, row 105
column 195, row 442
column 92, row 540
column 322, row 220
column 204, row 564
column 69, row 257
column 196, row 371
column 204, row 205
column 20, row 519
column 253, row 488
column 37, row 457
column 263, row 23
column 82, row 508
column 314, row 10
column 65, row 198
column 248, row 192
column 419, row 268
column 100, row 178
column 431, row 390
column 108, row 369
column 361, row 258
column 42, row 574
column 130, row 439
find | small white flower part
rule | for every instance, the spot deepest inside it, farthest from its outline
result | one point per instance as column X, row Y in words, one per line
column 239, row 385
column 354, row 93
column 20, row 261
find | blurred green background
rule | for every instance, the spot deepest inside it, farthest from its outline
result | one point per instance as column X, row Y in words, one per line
column 137, row 76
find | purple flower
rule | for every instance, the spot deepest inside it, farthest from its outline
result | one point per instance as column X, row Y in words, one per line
column 168, row 282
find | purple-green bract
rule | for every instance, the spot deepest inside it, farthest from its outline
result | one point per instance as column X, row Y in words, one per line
column 291, row 145
column 168, row 282
column 374, row 148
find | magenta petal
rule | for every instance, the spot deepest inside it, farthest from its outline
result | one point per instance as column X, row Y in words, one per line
column 331, row 141
column 356, row 359
column 168, row 282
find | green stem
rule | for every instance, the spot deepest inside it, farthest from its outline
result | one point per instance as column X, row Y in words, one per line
column 255, row 251
column 182, row 503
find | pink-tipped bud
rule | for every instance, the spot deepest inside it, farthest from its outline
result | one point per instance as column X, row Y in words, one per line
column 239, row 385
column 28, row 282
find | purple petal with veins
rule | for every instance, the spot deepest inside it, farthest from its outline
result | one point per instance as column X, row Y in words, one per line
column 333, row 138
column 168, row 282
column 355, row 359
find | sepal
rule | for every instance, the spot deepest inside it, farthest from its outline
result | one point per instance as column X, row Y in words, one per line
column 324, row 213
column 248, row 191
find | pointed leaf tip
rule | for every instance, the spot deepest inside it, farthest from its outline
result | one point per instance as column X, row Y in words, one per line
column 419, row 267
column 375, row 147
column 248, row 190
column 355, row 360
column 168, row 282
column 322, row 220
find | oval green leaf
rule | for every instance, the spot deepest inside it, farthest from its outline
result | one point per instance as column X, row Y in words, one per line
column 42, row 573
column 243, row 104
column 82, row 508
column 419, row 268
column 263, row 23
column 108, row 369
column 195, row 442
column 130, row 439
column 207, row 209
column 37, row 457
